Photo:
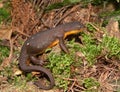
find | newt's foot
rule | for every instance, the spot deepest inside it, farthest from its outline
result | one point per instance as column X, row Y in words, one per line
column 37, row 61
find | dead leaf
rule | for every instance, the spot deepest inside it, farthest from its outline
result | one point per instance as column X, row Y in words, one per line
column 5, row 43
column 5, row 33
column 113, row 28
column 1, row 4
column 5, row 62
column 17, row 72
column 3, row 78
column 48, row 91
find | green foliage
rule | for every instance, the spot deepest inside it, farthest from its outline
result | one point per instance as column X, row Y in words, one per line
column 84, row 2
column 90, row 27
column 71, row 1
column 3, row 14
column 7, row 72
column 110, row 14
column 91, row 85
column 90, row 49
column 60, row 66
column 5, row 11
column 18, row 81
column 4, row 52
column 99, row 2
column 61, row 4
column 94, row 2
column 54, row 6
column 112, row 46
column 73, row 45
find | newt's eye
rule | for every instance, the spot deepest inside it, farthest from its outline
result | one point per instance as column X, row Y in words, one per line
column 38, row 46
column 28, row 43
column 32, row 38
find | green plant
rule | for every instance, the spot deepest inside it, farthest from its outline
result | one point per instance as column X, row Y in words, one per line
column 61, row 4
column 99, row 2
column 60, row 66
column 112, row 46
column 9, row 73
column 4, row 11
column 91, row 85
column 90, row 49
column 73, row 46
column 22, row 84
column 18, row 83
column 4, row 52
column 108, row 15
column 90, row 27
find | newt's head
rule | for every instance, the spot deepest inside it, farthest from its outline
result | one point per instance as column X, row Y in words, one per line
column 73, row 28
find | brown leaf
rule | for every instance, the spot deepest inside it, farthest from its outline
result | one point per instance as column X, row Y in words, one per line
column 5, row 62
column 113, row 28
column 17, row 72
column 5, row 33
column 1, row 4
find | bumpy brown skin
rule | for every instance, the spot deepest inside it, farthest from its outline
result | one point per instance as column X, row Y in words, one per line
column 42, row 40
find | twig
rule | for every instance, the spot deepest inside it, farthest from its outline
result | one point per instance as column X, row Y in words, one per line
column 71, row 88
column 93, row 26
column 11, row 48
column 22, row 33
column 89, row 12
column 8, row 60
column 66, row 78
column 66, row 14
column 62, row 10
column 34, row 1
column 82, row 88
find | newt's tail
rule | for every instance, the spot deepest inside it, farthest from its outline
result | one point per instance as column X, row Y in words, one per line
column 24, row 67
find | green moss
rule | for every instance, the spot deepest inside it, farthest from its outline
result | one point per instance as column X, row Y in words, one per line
column 90, row 49
column 60, row 66
column 91, row 85
column 112, row 46
column 5, row 11
column 4, row 52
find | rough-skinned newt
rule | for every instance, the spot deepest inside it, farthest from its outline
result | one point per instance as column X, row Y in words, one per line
column 42, row 40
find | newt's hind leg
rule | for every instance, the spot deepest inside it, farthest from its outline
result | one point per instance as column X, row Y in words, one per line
column 36, row 61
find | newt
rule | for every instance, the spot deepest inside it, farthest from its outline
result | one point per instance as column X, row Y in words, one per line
column 42, row 40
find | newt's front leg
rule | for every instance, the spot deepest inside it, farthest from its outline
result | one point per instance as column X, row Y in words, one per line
column 62, row 45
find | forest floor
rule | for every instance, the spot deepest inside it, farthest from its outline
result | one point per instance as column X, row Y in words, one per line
column 95, row 59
